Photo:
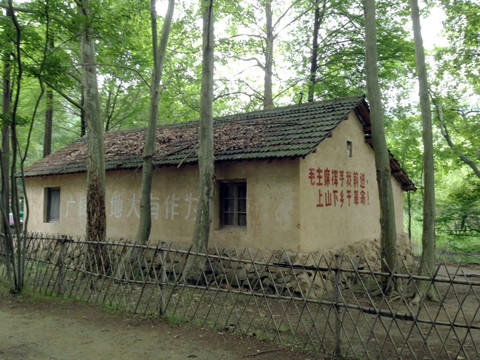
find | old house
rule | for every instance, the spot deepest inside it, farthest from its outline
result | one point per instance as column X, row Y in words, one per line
column 300, row 178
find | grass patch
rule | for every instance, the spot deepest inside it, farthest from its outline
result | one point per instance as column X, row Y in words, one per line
column 462, row 258
column 451, row 248
column 174, row 320
column 114, row 309
column 28, row 295
column 262, row 336
column 4, row 288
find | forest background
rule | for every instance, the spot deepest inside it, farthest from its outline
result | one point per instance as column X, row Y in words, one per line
column 249, row 50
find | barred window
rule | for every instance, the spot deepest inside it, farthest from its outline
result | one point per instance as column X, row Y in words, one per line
column 233, row 204
column 52, row 204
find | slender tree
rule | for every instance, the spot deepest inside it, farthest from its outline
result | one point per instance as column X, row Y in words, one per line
column 382, row 161
column 255, row 28
column 205, row 154
column 47, row 138
column 269, row 40
column 96, row 219
column 427, row 261
column 7, row 241
column 159, row 52
column 318, row 18
column 14, row 239
column 14, row 196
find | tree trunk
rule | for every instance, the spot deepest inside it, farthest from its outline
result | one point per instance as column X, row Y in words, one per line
column 427, row 262
column 314, row 60
column 268, row 92
column 19, row 244
column 7, row 242
column 205, row 154
column 409, row 211
column 107, row 107
column 96, row 220
column 5, row 142
column 47, row 138
column 382, row 160
column 83, row 125
column 159, row 53
column 16, row 253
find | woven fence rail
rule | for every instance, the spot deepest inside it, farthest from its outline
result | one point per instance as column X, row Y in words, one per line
column 333, row 305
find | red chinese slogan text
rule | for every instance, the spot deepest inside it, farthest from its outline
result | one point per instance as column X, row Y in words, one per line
column 339, row 188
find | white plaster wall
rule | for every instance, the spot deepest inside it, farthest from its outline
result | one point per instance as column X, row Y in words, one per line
column 72, row 204
column 272, row 204
column 326, row 221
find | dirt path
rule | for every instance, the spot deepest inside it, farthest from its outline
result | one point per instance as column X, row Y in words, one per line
column 63, row 330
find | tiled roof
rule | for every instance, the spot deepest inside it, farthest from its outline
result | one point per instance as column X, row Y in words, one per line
column 292, row 131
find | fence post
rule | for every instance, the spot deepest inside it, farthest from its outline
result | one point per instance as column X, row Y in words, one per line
column 60, row 262
column 163, row 276
column 336, row 299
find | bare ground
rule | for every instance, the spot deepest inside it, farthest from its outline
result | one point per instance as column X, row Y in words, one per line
column 57, row 330
column 61, row 329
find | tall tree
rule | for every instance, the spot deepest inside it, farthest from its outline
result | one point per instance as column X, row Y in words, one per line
column 427, row 261
column 159, row 53
column 340, row 66
column 96, row 219
column 18, row 268
column 7, row 241
column 47, row 138
column 14, row 239
column 318, row 19
column 255, row 27
column 382, row 161
column 268, row 68
column 205, row 154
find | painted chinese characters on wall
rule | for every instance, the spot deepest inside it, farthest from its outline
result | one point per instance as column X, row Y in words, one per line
column 339, row 188
column 172, row 207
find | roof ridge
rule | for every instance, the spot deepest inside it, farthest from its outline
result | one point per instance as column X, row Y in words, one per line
column 322, row 102
column 240, row 115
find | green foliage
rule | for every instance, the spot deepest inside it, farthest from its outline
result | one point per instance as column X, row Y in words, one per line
column 456, row 84
column 458, row 220
column 5, row 119
column 462, row 25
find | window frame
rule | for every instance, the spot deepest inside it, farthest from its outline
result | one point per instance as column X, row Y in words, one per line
column 237, row 213
column 52, row 215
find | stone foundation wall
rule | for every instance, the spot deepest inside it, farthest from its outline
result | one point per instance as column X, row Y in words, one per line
column 284, row 273
column 312, row 275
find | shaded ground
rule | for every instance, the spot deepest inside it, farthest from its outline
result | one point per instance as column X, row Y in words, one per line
column 65, row 330
column 57, row 329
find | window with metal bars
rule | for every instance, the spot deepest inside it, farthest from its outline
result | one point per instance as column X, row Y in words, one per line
column 233, row 204
column 52, row 202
